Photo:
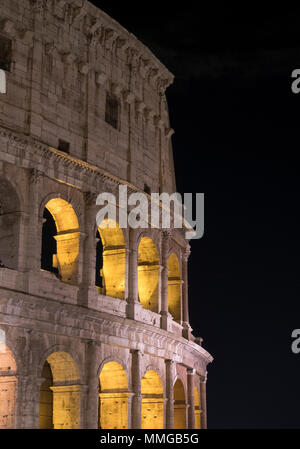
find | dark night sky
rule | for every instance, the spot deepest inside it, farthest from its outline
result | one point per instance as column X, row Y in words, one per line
column 237, row 137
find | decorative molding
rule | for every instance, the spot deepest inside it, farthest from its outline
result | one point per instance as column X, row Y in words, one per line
column 169, row 132
column 8, row 27
column 116, row 89
column 158, row 121
column 139, row 106
column 27, row 36
column 35, row 176
column 186, row 253
column 83, row 68
column 148, row 114
column 90, row 198
column 100, row 78
column 128, row 97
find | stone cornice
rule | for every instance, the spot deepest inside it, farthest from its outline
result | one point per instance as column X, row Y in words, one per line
column 24, row 143
column 100, row 326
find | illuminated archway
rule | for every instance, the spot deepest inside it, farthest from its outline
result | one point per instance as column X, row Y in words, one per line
column 179, row 406
column 197, row 408
column 9, row 225
column 148, row 274
column 8, row 385
column 113, row 396
column 60, row 393
column 63, row 246
column 152, row 401
column 174, row 288
column 112, row 251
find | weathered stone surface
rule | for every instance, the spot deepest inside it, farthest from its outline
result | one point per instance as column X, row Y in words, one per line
column 61, row 338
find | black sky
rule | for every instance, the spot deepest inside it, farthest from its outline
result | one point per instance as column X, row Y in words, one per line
column 237, row 140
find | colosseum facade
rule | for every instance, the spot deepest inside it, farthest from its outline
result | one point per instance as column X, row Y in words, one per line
column 94, row 322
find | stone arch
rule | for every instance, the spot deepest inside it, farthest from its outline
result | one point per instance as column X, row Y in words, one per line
column 152, row 234
column 179, row 404
column 154, row 367
column 60, row 348
column 113, row 396
column 148, row 274
column 152, row 401
column 10, row 214
column 111, row 269
column 113, row 358
column 197, row 407
column 174, row 287
column 60, row 239
column 8, row 385
column 60, row 392
column 76, row 203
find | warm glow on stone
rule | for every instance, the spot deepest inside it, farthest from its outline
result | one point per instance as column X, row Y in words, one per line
column 63, row 395
column 67, row 238
column 113, row 271
column 197, row 408
column 179, row 406
column 113, row 397
column 174, row 288
column 8, row 384
column 152, row 402
column 148, row 274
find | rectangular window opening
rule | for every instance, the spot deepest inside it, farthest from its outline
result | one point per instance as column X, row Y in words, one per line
column 112, row 111
column 64, row 146
column 5, row 53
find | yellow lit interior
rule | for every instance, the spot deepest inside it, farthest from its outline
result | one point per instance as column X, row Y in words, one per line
column 60, row 393
column 148, row 274
column 174, row 288
column 179, row 406
column 113, row 397
column 197, row 408
column 67, row 238
column 8, row 384
column 113, row 271
column 152, row 401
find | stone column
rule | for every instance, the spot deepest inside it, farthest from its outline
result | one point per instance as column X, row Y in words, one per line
column 203, row 403
column 28, row 401
column 136, row 403
column 34, row 224
column 91, row 405
column 88, row 243
column 191, row 398
column 185, row 295
column 132, row 300
column 164, row 281
column 81, row 258
column 23, row 229
column 170, row 376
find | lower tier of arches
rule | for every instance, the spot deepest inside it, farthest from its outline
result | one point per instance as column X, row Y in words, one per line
column 101, row 386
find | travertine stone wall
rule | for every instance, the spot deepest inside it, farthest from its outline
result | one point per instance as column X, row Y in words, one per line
column 66, row 59
column 59, row 335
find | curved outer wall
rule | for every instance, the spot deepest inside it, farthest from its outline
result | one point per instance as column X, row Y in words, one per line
column 67, row 58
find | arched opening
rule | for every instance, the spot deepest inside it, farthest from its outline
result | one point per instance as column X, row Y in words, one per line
column 60, row 240
column 113, row 409
column 179, row 406
column 197, row 408
column 174, row 288
column 110, row 260
column 60, row 393
column 152, row 401
column 8, row 385
column 99, row 281
column 9, row 226
column 148, row 274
